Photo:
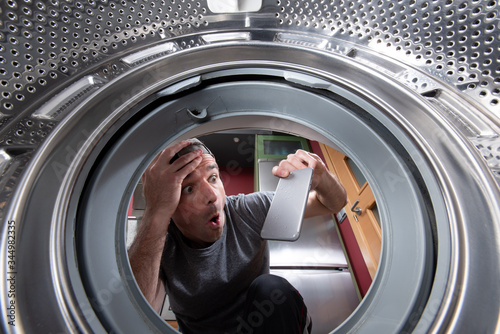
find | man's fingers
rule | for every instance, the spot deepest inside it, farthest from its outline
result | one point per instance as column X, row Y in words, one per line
column 191, row 165
column 283, row 169
column 280, row 172
column 306, row 158
column 167, row 154
column 299, row 160
column 186, row 159
column 162, row 160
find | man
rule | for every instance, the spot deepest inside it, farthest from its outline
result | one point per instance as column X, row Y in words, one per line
column 204, row 248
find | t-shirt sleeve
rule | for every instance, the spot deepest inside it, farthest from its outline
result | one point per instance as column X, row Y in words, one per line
column 252, row 208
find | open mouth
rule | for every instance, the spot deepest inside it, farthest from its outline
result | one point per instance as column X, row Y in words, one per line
column 215, row 221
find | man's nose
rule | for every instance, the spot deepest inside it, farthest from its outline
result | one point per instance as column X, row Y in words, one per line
column 209, row 193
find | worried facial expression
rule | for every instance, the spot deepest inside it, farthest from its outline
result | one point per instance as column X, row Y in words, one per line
column 200, row 213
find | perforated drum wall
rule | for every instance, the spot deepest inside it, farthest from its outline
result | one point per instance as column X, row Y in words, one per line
column 46, row 45
column 42, row 43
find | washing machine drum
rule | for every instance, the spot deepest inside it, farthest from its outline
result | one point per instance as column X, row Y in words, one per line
column 91, row 91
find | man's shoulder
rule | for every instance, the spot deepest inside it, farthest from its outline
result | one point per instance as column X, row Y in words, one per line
column 260, row 197
column 250, row 208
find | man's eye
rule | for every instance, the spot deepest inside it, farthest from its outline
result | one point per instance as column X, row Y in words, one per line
column 212, row 178
column 187, row 190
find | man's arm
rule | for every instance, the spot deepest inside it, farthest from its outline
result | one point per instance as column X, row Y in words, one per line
column 162, row 189
column 145, row 257
column 327, row 195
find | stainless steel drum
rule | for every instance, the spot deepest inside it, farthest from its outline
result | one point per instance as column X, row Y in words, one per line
column 91, row 90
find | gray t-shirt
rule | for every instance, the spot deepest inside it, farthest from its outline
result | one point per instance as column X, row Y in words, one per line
column 207, row 287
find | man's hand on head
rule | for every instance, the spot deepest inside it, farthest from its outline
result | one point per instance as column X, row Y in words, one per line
column 162, row 180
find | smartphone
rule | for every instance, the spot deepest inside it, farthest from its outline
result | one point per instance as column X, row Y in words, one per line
column 285, row 216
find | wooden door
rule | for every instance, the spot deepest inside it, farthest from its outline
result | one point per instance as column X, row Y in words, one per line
column 361, row 207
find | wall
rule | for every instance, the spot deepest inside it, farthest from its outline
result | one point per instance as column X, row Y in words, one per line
column 353, row 253
column 237, row 181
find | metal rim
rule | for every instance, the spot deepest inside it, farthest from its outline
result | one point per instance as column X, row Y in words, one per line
column 165, row 115
column 406, row 116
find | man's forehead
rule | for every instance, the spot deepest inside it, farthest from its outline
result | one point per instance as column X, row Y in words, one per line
column 208, row 164
column 208, row 159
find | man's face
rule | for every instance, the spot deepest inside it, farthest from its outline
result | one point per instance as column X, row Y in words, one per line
column 199, row 215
